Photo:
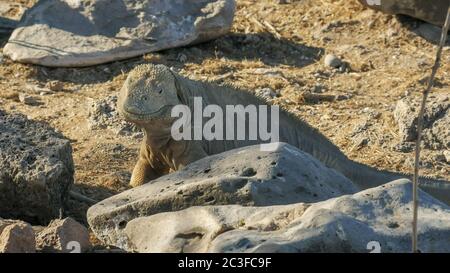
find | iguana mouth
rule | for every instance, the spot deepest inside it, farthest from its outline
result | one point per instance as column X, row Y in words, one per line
column 146, row 116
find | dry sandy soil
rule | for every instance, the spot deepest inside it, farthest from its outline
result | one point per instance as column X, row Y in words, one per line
column 271, row 45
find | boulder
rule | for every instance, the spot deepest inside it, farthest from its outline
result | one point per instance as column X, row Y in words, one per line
column 430, row 11
column 36, row 169
column 374, row 220
column 247, row 176
column 436, row 134
column 16, row 237
column 65, row 235
column 66, row 33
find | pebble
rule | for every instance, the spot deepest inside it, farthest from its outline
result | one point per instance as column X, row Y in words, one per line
column 404, row 147
column 332, row 61
column 447, row 155
column 318, row 88
column 267, row 93
column 182, row 58
column 440, row 158
column 27, row 99
column 55, row 85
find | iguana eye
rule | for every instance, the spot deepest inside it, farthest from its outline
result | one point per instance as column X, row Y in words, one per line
column 159, row 90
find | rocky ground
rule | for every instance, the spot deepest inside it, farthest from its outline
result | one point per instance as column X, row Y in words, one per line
column 276, row 50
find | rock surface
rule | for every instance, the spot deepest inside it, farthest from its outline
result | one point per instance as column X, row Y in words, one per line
column 436, row 133
column 36, row 169
column 103, row 114
column 82, row 33
column 245, row 176
column 351, row 223
column 16, row 237
column 434, row 12
column 64, row 235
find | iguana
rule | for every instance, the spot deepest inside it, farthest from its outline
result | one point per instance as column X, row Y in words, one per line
column 150, row 92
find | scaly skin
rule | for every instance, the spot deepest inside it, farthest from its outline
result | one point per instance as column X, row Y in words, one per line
column 150, row 92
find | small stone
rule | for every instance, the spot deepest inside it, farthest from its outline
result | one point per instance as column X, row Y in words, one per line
column 66, row 235
column 343, row 97
column 447, row 155
column 404, row 147
column 55, row 85
column 17, row 237
column 361, row 142
column 344, row 67
column 27, row 99
column 391, row 32
column 319, row 88
column 182, row 58
column 440, row 158
column 332, row 61
column 266, row 93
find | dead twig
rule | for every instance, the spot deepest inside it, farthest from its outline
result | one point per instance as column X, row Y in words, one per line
column 419, row 130
column 272, row 30
column 79, row 197
column 265, row 26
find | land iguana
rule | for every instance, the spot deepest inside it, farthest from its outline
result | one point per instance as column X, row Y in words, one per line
column 151, row 91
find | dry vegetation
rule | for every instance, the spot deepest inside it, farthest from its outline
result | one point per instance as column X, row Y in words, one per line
column 271, row 45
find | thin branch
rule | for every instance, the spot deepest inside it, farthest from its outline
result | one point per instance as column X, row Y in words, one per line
column 419, row 130
column 79, row 197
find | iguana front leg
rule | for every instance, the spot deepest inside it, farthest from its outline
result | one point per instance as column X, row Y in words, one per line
column 175, row 156
column 183, row 153
column 146, row 169
column 142, row 172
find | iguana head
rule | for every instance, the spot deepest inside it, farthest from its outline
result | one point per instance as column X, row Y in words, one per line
column 148, row 94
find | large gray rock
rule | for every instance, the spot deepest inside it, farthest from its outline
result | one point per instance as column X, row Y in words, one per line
column 436, row 133
column 80, row 33
column 36, row 169
column 430, row 11
column 245, row 176
column 377, row 219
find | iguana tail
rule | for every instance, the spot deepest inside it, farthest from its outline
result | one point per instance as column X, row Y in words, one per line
column 367, row 177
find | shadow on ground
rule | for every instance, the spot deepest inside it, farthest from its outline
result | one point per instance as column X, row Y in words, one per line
column 425, row 30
